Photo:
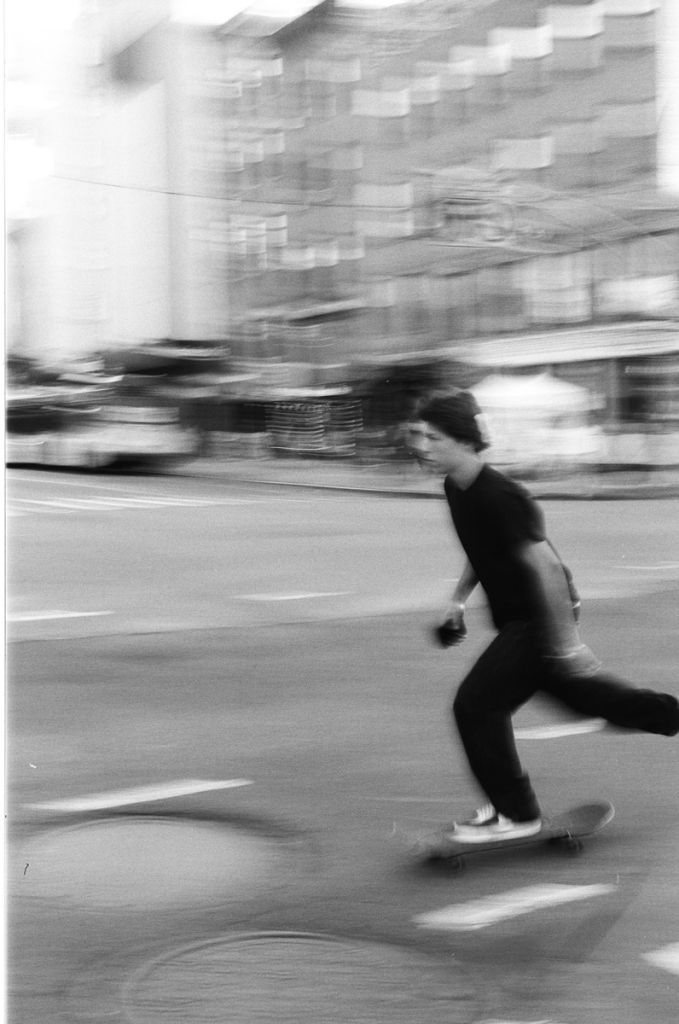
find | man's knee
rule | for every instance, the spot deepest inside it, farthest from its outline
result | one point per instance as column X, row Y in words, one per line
column 464, row 704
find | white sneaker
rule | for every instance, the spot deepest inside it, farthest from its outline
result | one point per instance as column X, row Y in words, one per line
column 493, row 828
column 481, row 817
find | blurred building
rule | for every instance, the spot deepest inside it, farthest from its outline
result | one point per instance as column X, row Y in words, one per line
column 474, row 169
column 342, row 182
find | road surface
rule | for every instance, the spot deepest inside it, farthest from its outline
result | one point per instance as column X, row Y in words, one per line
column 221, row 699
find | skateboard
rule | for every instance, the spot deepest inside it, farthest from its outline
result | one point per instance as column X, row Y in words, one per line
column 567, row 829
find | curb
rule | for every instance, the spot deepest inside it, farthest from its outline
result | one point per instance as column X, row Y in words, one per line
column 540, row 491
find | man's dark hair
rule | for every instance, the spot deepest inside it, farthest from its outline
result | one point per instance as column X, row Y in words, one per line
column 454, row 414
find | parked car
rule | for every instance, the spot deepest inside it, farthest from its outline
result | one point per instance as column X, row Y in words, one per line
column 93, row 427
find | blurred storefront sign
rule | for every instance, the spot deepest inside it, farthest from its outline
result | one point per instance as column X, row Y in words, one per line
column 642, row 295
column 540, row 422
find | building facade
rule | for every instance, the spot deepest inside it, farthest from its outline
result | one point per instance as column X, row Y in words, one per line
column 352, row 182
column 482, row 168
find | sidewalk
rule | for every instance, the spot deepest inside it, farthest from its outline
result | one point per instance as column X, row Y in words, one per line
column 409, row 481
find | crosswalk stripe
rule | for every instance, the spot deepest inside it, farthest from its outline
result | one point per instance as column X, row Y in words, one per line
column 667, row 958
column 138, row 795
column 302, row 596
column 149, row 500
column 42, row 616
column 78, row 504
column 491, row 909
column 552, row 732
column 26, row 506
column 52, row 503
column 114, row 501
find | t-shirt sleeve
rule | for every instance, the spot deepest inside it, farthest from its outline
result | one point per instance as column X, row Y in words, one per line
column 517, row 520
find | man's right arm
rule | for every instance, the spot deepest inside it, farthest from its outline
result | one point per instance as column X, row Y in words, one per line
column 463, row 589
column 453, row 629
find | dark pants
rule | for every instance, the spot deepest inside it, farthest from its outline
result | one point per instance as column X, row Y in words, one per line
column 506, row 675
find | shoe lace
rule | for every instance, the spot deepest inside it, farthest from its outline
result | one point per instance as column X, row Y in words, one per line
column 484, row 813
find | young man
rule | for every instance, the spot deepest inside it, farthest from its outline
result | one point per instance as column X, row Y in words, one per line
column 534, row 608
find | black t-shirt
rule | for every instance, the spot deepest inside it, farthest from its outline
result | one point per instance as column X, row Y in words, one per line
column 493, row 518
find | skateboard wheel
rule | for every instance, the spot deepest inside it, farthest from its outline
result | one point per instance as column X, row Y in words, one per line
column 574, row 846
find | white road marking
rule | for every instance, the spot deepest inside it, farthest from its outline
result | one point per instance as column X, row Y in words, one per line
column 99, row 486
column 139, row 794
column 53, row 505
column 144, row 501
column 83, row 485
column 40, row 616
column 552, row 732
column 491, row 909
column 409, row 799
column 25, row 506
column 650, row 568
column 95, row 502
column 667, row 958
column 303, row 596
column 612, row 591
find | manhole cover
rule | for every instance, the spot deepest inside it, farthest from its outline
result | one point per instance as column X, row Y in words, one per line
column 296, row 978
column 146, row 862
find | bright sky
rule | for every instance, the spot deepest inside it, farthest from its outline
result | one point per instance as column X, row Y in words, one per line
column 33, row 29
column 668, row 96
column 32, row 26
column 40, row 18
column 216, row 12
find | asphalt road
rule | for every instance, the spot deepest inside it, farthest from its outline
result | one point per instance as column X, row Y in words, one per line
column 164, row 630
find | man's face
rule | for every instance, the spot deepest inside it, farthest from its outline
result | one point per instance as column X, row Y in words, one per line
column 435, row 449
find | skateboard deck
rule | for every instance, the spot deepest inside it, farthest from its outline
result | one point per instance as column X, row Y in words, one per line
column 568, row 829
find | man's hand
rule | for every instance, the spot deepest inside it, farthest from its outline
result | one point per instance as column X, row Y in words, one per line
column 575, row 663
column 453, row 630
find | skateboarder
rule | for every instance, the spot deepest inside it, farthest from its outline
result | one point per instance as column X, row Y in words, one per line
column 534, row 608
